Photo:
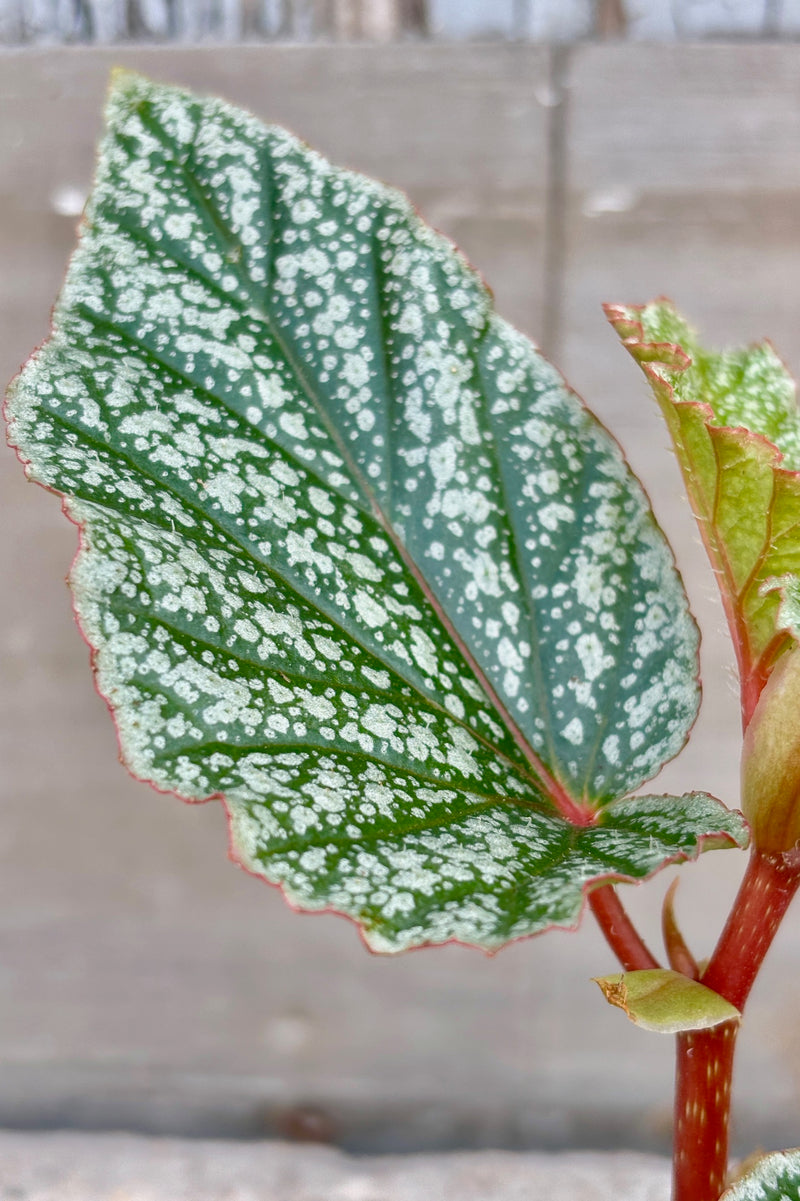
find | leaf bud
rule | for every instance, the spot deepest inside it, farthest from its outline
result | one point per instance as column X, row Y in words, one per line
column 771, row 760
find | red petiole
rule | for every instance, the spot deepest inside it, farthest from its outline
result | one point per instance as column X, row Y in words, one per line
column 704, row 1065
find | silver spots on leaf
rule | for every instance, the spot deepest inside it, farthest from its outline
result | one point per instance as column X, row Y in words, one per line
column 331, row 505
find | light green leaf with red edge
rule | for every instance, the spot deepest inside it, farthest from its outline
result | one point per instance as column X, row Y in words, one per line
column 354, row 558
column 773, row 1177
column 666, row 1002
column 735, row 426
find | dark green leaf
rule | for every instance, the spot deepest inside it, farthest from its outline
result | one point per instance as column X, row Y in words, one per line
column 449, row 864
column 353, row 555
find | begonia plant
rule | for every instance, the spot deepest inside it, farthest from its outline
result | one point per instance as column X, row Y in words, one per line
column 357, row 562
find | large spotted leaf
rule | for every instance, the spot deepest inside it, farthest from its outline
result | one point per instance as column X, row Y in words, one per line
column 353, row 556
column 735, row 425
column 774, row 1177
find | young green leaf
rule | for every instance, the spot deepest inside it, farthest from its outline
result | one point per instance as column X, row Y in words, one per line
column 666, row 1002
column 353, row 557
column 774, row 1177
column 735, row 425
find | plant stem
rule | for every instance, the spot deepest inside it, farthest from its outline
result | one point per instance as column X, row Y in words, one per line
column 703, row 1075
column 705, row 1057
column 620, row 932
column 766, row 891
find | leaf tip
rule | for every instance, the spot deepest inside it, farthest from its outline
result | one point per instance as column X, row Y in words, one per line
column 615, row 991
column 122, row 80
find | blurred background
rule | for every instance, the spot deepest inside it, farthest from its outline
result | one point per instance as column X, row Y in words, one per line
column 578, row 151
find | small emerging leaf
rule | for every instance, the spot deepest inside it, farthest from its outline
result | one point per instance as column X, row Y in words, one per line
column 774, row 1177
column 665, row 1001
column 353, row 556
column 735, row 426
column 679, row 956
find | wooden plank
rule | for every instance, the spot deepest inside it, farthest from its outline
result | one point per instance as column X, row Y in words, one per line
column 688, row 187
column 368, row 106
column 684, row 118
column 480, row 163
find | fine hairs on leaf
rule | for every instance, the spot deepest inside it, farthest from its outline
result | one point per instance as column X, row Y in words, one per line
column 357, row 562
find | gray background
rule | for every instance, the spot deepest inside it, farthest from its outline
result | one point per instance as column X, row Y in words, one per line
column 384, row 20
column 145, row 982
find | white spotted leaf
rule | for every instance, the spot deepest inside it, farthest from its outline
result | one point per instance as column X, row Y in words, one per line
column 773, row 1177
column 353, row 556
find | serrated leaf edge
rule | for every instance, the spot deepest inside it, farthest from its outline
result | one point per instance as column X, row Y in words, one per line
column 377, row 944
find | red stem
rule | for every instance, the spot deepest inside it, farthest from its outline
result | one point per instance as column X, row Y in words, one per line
column 766, row 891
column 703, row 1073
column 705, row 1057
column 620, row 932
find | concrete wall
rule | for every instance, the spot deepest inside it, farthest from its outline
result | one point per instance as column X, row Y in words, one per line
column 144, row 981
